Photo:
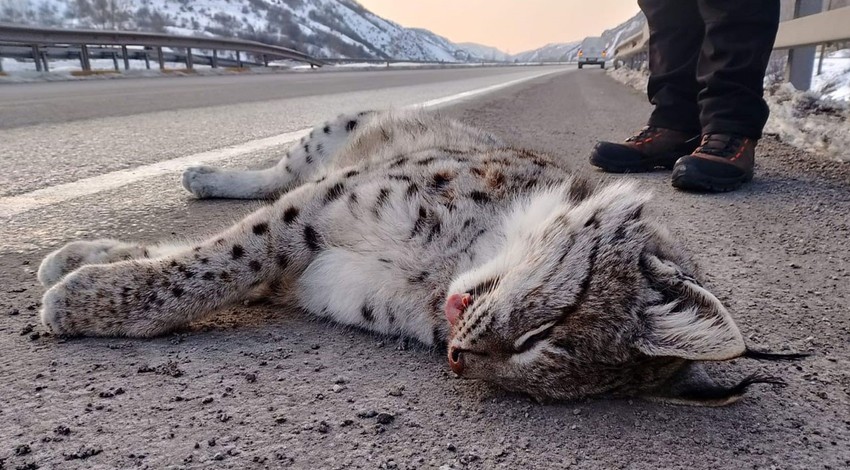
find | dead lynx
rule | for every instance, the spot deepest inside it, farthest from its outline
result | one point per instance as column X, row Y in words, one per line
column 407, row 223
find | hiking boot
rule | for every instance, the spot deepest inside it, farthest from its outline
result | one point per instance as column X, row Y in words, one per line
column 651, row 148
column 723, row 162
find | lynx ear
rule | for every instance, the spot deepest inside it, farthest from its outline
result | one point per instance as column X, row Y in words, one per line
column 686, row 321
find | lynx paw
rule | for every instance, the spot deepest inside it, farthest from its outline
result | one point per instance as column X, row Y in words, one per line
column 201, row 181
column 101, row 300
column 75, row 254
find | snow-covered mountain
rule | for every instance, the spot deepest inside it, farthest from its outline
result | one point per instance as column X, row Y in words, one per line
column 486, row 52
column 563, row 52
column 322, row 28
column 556, row 52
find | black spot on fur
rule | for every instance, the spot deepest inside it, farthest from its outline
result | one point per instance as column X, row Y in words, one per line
column 426, row 161
column 237, row 251
column 383, row 197
column 398, row 162
column 204, row 260
column 327, row 129
column 177, row 292
column 282, row 260
column 580, row 189
column 224, row 276
column 311, row 238
column 352, row 198
column 288, row 169
column 320, row 149
column 352, row 173
column 255, row 265
column 334, row 192
column 400, row 178
column 351, row 125
column 480, row 197
column 197, row 248
column 441, row 179
column 421, row 220
column 308, row 158
column 412, row 190
column 290, row 214
column 368, row 313
column 208, row 276
column 260, row 228
column 435, row 231
column 419, row 278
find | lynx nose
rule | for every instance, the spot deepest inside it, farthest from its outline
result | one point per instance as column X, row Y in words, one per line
column 456, row 360
column 455, row 306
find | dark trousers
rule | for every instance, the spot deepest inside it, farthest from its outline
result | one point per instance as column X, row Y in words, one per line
column 707, row 60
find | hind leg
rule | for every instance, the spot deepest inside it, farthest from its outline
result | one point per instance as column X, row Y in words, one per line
column 305, row 160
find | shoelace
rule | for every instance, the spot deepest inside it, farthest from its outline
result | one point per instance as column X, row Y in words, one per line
column 646, row 133
column 721, row 145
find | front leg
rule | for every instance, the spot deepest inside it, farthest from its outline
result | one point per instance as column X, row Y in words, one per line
column 148, row 297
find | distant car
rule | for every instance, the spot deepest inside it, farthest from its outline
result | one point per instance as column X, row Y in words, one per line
column 592, row 52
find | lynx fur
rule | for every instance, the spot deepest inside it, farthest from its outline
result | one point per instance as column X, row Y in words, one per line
column 415, row 225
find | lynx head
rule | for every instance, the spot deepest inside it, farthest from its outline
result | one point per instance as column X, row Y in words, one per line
column 588, row 297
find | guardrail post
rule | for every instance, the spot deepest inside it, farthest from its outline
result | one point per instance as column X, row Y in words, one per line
column 801, row 60
column 36, row 57
column 85, row 61
column 265, row 60
column 126, row 57
column 147, row 58
column 239, row 59
column 190, row 62
column 115, row 61
column 160, row 58
column 215, row 59
column 44, row 61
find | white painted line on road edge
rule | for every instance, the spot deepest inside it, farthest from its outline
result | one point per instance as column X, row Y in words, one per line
column 14, row 205
column 469, row 94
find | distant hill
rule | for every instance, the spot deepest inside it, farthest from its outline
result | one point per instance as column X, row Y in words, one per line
column 486, row 52
column 556, row 52
column 322, row 28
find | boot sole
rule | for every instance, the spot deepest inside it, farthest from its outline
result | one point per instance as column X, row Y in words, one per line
column 665, row 163
column 690, row 179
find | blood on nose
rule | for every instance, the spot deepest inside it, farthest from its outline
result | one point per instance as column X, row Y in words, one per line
column 456, row 304
column 456, row 360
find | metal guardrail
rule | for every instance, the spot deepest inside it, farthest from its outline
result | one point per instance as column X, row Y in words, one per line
column 815, row 29
column 820, row 28
column 39, row 38
column 634, row 44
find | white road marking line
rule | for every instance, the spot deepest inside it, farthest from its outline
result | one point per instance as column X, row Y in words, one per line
column 14, row 205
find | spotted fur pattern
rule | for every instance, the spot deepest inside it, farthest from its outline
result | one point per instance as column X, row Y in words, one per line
column 570, row 289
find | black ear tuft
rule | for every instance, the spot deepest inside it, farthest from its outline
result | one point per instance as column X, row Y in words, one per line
column 718, row 395
column 769, row 356
column 693, row 386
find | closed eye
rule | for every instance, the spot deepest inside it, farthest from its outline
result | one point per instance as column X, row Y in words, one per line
column 530, row 338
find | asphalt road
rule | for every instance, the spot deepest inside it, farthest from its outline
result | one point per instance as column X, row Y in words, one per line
column 255, row 388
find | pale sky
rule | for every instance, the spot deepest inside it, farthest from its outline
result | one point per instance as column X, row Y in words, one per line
column 511, row 25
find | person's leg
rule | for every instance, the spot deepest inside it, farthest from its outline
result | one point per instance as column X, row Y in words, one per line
column 739, row 37
column 675, row 37
column 734, row 56
column 676, row 32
